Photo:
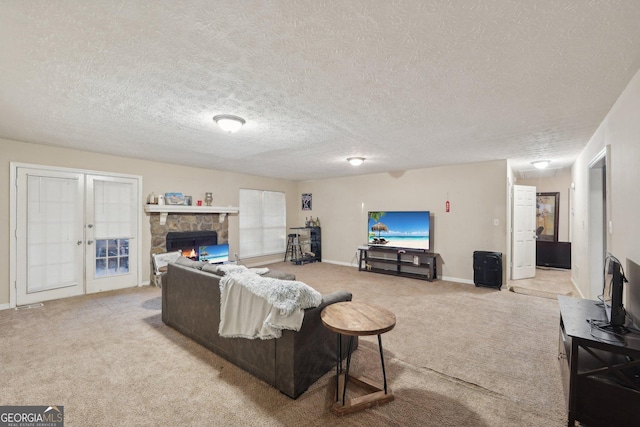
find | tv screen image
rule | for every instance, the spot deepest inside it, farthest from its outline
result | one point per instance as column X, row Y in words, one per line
column 405, row 229
column 214, row 254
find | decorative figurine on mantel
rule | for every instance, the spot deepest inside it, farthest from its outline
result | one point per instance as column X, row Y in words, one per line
column 208, row 199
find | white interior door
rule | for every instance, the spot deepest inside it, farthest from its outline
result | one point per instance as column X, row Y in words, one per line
column 523, row 238
column 49, row 235
column 111, row 233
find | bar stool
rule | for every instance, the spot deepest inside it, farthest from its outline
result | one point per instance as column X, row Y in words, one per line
column 293, row 247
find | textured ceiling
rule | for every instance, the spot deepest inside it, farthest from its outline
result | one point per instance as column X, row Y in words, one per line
column 406, row 84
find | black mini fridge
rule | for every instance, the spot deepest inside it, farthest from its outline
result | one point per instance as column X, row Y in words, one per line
column 487, row 269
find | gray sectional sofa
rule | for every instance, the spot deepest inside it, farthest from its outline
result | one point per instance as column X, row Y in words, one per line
column 291, row 363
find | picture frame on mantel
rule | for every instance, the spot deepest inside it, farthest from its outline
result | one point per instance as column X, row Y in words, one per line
column 547, row 215
column 174, row 199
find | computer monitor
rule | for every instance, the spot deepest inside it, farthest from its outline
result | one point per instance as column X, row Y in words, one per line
column 612, row 291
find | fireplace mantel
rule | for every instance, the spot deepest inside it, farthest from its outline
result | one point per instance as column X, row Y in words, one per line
column 165, row 210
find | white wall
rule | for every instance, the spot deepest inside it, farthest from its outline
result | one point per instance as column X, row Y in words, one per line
column 477, row 193
column 621, row 130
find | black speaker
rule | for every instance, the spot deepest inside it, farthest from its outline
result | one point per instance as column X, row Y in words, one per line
column 487, row 269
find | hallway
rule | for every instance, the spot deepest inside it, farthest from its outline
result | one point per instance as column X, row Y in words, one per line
column 548, row 283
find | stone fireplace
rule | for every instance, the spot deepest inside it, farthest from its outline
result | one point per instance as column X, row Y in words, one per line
column 189, row 242
column 184, row 222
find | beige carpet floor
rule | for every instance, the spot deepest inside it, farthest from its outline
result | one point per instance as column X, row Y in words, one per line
column 459, row 356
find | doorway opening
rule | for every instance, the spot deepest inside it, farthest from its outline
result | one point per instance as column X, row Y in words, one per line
column 598, row 170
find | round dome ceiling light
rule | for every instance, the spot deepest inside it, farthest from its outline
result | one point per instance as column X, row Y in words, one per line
column 228, row 122
column 541, row 164
column 355, row 161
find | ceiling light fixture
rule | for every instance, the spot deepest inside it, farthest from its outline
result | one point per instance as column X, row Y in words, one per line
column 541, row 164
column 229, row 123
column 355, row 161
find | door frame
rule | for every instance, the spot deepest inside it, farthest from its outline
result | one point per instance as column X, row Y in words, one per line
column 13, row 220
column 599, row 204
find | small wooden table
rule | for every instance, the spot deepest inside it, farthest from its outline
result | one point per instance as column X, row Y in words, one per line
column 358, row 319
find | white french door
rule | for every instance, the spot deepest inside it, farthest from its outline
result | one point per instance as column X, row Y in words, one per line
column 524, row 233
column 76, row 233
column 50, row 235
column 111, row 229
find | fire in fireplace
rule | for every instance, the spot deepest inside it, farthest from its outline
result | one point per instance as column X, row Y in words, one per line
column 189, row 242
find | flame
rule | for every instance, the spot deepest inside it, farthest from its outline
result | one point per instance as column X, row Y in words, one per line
column 189, row 253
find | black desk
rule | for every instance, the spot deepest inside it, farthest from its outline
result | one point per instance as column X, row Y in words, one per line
column 600, row 371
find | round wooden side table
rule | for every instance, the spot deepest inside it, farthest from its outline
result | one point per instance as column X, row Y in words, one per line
column 353, row 319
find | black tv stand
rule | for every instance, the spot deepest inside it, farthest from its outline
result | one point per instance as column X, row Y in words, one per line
column 397, row 261
column 600, row 368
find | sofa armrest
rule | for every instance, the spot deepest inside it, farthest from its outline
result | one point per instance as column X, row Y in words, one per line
column 303, row 357
column 333, row 297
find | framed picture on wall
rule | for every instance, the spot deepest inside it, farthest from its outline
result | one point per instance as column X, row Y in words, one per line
column 547, row 216
column 306, row 201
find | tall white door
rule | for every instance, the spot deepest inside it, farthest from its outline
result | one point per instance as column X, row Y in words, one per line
column 49, row 235
column 523, row 238
column 111, row 230
column 75, row 233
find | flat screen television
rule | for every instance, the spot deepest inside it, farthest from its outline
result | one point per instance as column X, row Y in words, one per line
column 553, row 254
column 612, row 291
column 214, row 254
column 403, row 229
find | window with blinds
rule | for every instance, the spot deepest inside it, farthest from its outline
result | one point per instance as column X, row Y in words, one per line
column 263, row 219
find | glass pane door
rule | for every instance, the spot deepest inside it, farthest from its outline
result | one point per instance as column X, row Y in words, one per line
column 75, row 233
column 112, row 257
column 50, row 240
column 112, row 211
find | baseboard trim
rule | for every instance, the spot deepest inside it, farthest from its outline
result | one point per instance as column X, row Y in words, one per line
column 5, row 307
column 346, row 264
column 575, row 286
column 457, row 280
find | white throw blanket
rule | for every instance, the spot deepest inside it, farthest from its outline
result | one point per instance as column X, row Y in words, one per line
column 252, row 306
